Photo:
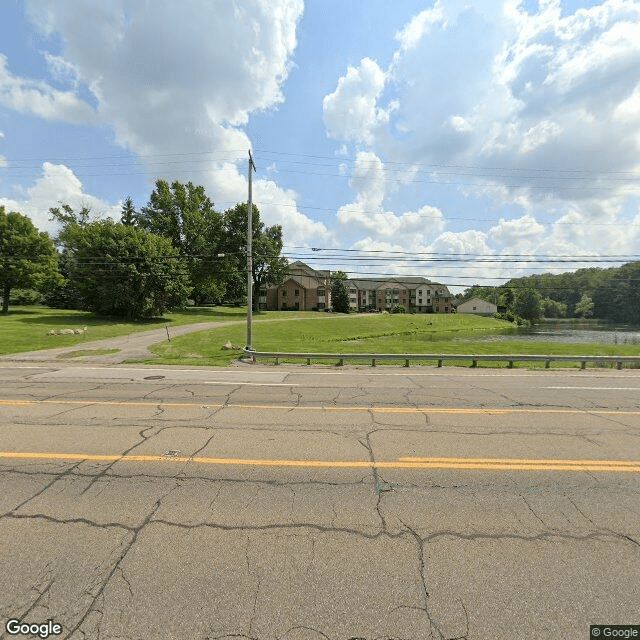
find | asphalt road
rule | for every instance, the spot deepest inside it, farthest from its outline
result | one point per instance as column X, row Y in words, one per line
column 305, row 503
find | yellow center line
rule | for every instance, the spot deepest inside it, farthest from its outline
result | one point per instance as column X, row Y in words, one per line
column 421, row 410
column 518, row 461
column 481, row 464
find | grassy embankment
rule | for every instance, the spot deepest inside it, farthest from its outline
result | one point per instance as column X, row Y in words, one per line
column 26, row 328
column 370, row 333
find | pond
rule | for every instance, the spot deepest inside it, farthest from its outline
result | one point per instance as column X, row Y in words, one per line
column 578, row 332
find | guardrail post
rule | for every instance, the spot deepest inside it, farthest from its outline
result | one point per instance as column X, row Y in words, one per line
column 547, row 363
column 341, row 362
column 406, row 362
column 309, row 361
column 474, row 364
column 373, row 362
column 583, row 364
column 619, row 365
column 510, row 364
column 439, row 363
column 277, row 361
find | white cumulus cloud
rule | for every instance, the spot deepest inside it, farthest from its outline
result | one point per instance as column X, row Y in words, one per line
column 351, row 111
column 57, row 185
column 36, row 97
column 538, row 110
column 180, row 78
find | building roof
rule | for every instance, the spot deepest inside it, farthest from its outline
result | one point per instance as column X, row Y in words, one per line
column 477, row 301
column 376, row 282
column 297, row 280
column 319, row 273
column 408, row 282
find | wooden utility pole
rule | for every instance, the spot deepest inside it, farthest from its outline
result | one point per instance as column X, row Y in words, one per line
column 252, row 166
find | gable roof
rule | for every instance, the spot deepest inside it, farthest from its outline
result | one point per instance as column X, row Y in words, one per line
column 297, row 280
column 318, row 273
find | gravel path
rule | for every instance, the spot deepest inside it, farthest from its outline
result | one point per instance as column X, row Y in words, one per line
column 132, row 346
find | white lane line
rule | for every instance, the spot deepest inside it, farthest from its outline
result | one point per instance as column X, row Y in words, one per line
column 597, row 388
column 12, row 367
column 250, row 384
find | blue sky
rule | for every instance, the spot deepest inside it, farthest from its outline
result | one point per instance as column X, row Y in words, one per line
column 411, row 129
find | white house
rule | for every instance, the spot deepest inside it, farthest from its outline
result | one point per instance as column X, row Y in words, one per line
column 477, row 306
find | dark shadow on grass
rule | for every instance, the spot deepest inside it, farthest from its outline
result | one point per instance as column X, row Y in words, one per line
column 18, row 312
column 89, row 318
column 213, row 312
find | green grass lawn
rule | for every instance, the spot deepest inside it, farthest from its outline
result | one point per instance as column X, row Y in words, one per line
column 369, row 333
column 25, row 328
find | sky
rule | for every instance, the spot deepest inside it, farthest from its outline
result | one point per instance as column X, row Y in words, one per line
column 468, row 142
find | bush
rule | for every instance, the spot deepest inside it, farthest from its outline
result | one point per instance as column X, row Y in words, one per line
column 64, row 297
column 25, row 297
column 398, row 308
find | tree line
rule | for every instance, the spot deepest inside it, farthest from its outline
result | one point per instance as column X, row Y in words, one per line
column 611, row 294
column 176, row 248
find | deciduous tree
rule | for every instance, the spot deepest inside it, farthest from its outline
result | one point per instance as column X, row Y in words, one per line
column 28, row 257
column 584, row 308
column 124, row 271
column 268, row 266
column 185, row 215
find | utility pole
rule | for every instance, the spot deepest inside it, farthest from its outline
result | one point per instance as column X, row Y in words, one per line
column 250, row 259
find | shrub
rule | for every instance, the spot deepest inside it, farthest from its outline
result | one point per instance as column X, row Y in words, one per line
column 25, row 297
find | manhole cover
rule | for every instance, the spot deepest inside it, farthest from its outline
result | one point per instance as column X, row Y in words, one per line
column 154, row 377
column 171, row 454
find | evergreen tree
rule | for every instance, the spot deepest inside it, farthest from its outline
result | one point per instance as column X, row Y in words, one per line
column 129, row 213
column 339, row 296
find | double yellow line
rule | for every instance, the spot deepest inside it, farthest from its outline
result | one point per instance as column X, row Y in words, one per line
column 408, row 462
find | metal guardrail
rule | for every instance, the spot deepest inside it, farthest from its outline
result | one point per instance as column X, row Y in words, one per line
column 441, row 357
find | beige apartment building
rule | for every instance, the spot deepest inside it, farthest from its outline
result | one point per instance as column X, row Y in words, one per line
column 308, row 289
column 415, row 293
column 305, row 289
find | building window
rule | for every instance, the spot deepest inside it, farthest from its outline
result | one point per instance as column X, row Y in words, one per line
column 263, row 292
column 284, row 293
column 320, row 291
column 297, row 292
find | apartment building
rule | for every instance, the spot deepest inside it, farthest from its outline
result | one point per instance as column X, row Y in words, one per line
column 305, row 289
column 415, row 293
column 308, row 289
